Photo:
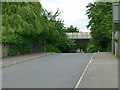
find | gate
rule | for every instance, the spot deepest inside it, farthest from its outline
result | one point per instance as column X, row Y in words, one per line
column 37, row 46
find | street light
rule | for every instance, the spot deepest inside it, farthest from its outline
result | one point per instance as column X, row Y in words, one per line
column 116, row 19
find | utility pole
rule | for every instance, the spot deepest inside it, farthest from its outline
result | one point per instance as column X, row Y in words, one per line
column 113, row 33
column 116, row 19
column 119, row 33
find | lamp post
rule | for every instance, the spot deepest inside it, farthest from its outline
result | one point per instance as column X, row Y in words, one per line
column 116, row 19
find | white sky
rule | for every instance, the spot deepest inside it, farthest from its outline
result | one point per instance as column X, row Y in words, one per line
column 73, row 11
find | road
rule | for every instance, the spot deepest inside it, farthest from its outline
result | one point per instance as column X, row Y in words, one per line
column 61, row 70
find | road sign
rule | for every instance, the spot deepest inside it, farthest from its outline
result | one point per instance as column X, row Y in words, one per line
column 116, row 12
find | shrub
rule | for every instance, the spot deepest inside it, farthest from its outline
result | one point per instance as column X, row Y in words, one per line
column 51, row 48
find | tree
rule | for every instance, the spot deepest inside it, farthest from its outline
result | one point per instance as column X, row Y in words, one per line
column 72, row 29
column 55, row 32
column 21, row 25
column 100, row 24
column 25, row 22
column 21, row 19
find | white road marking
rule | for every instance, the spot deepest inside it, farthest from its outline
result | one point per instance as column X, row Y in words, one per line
column 81, row 77
column 65, row 54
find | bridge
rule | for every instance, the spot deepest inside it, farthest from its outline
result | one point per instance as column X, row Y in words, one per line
column 80, row 35
column 81, row 39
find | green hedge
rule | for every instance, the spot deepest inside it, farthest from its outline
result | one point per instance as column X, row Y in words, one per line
column 19, row 49
column 51, row 48
column 23, row 46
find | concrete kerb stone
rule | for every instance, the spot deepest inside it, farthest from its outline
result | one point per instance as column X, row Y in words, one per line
column 23, row 60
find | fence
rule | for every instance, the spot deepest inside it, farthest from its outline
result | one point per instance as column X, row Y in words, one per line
column 37, row 46
column 117, row 44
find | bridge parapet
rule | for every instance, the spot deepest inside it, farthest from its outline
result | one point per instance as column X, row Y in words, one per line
column 80, row 35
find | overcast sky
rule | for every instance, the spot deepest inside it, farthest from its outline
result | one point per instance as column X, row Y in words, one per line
column 73, row 11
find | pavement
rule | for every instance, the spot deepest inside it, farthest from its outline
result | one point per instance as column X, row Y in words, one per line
column 21, row 58
column 102, row 72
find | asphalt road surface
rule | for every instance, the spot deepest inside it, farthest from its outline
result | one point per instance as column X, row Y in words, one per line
column 61, row 70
